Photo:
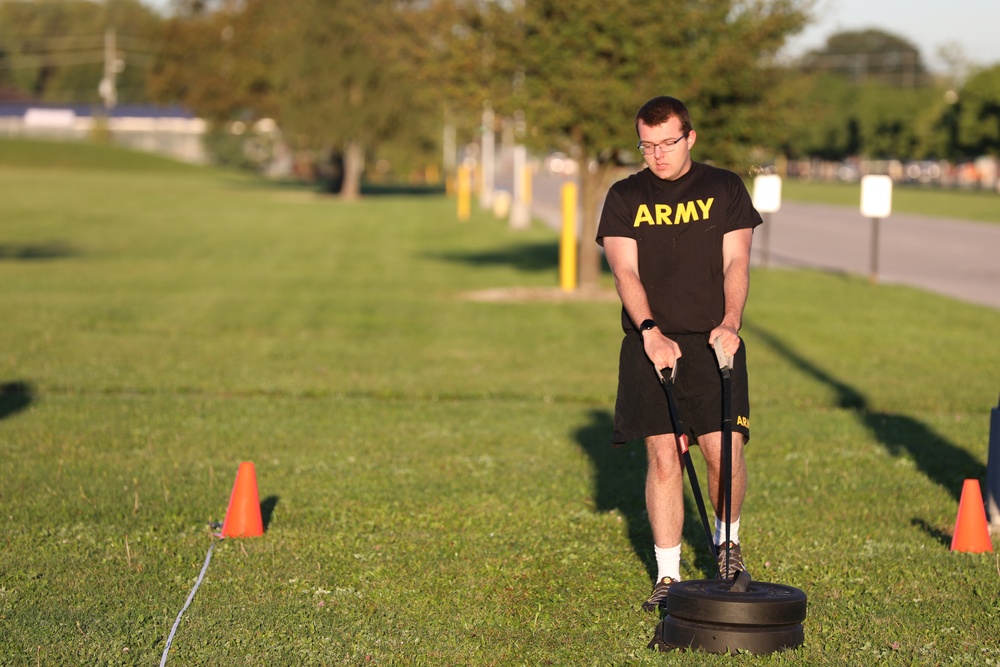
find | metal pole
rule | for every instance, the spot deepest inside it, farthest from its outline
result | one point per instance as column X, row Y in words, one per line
column 873, row 275
column 108, row 89
column 767, row 240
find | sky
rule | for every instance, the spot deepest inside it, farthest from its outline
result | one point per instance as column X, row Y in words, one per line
column 928, row 25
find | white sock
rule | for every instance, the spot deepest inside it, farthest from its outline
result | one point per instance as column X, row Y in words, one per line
column 720, row 531
column 668, row 562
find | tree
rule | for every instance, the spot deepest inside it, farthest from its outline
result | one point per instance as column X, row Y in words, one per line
column 344, row 82
column 869, row 56
column 836, row 119
column 342, row 78
column 580, row 70
column 217, row 61
column 823, row 123
column 979, row 113
column 936, row 126
column 889, row 119
column 867, row 93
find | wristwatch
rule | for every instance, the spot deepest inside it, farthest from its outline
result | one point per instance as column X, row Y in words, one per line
column 646, row 326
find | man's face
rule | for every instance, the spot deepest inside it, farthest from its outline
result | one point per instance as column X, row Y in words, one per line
column 667, row 162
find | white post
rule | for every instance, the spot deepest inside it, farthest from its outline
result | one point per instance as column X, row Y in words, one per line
column 767, row 200
column 449, row 157
column 489, row 146
column 520, row 213
column 876, row 203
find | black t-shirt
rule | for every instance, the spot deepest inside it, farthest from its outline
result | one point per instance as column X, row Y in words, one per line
column 678, row 227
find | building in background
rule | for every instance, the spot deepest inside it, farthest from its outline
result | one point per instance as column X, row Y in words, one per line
column 169, row 131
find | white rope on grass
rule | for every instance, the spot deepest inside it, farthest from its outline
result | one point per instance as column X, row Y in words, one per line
column 170, row 639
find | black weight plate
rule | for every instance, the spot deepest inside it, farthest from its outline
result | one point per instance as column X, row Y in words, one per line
column 711, row 600
column 720, row 638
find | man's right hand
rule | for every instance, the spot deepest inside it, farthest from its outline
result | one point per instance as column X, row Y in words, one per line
column 662, row 351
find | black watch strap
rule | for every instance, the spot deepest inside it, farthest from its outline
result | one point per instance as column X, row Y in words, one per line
column 646, row 326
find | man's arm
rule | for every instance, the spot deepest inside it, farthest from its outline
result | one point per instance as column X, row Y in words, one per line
column 736, row 272
column 623, row 258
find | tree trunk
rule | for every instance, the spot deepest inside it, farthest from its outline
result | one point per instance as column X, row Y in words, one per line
column 594, row 181
column 354, row 167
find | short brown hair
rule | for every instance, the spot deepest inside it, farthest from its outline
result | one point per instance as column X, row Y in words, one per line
column 659, row 110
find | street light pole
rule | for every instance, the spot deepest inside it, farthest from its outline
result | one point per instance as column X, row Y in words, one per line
column 108, row 88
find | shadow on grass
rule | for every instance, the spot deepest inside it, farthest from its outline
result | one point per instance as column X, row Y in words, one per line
column 379, row 189
column 619, row 486
column 333, row 190
column 29, row 252
column 938, row 534
column 542, row 256
column 795, row 262
column 267, row 510
column 15, row 397
column 940, row 460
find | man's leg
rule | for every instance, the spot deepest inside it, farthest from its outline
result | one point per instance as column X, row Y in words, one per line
column 665, row 508
column 664, row 490
column 711, row 447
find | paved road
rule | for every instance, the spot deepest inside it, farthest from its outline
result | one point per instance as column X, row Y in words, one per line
column 956, row 258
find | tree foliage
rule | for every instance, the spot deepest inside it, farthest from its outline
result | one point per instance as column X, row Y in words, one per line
column 579, row 70
column 835, row 118
column 872, row 55
column 839, row 114
column 979, row 113
column 345, row 81
column 217, row 61
column 339, row 76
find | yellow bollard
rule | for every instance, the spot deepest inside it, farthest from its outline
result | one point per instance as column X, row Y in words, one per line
column 526, row 184
column 464, row 193
column 567, row 240
column 432, row 174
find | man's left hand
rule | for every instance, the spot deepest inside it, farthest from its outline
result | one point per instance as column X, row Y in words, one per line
column 730, row 339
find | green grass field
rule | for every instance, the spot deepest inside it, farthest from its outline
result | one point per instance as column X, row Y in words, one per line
column 434, row 465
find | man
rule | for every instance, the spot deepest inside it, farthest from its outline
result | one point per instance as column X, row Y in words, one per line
column 677, row 237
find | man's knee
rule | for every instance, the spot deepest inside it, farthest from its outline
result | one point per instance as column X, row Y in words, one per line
column 662, row 455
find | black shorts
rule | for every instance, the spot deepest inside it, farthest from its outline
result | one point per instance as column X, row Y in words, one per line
column 641, row 407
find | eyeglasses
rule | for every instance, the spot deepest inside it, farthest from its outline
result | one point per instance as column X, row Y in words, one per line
column 667, row 146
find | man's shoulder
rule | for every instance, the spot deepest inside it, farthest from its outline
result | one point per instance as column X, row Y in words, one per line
column 632, row 180
column 706, row 170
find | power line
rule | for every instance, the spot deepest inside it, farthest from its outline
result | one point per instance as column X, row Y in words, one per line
column 69, row 60
column 47, row 43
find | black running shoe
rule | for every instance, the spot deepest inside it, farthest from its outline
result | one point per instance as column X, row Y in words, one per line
column 735, row 561
column 659, row 594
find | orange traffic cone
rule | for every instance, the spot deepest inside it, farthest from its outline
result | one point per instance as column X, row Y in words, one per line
column 243, row 517
column 972, row 533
